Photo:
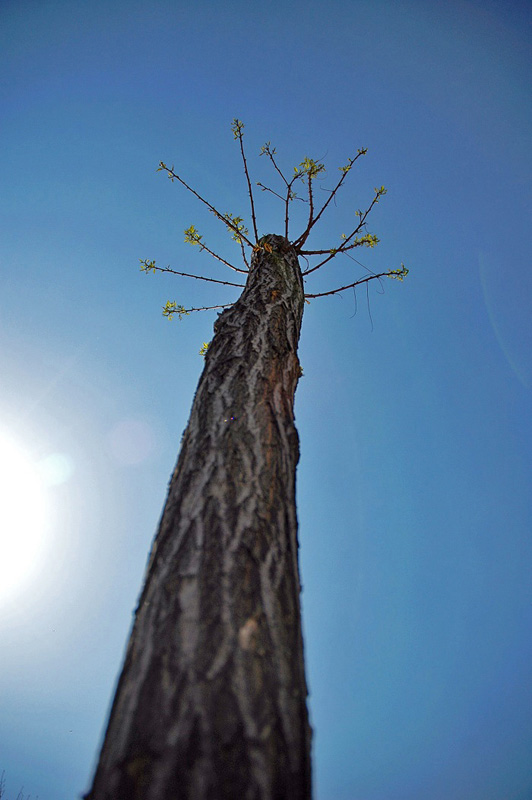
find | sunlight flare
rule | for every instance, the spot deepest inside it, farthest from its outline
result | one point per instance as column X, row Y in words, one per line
column 23, row 515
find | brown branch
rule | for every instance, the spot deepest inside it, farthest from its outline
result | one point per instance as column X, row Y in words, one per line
column 311, row 210
column 344, row 246
column 193, row 237
column 150, row 266
column 246, row 262
column 172, row 308
column 350, row 285
column 207, row 308
column 289, row 197
column 174, row 176
column 253, row 218
column 304, row 236
column 219, row 258
column 286, row 200
column 267, row 189
column 266, row 150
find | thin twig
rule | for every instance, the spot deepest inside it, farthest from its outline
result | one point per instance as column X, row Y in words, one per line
column 289, row 196
column 304, row 236
column 207, row 308
column 152, row 267
column 173, row 175
column 267, row 189
column 350, row 285
column 193, row 237
column 311, row 210
column 266, row 149
column 253, row 218
column 344, row 246
column 246, row 262
column 236, row 269
column 172, row 308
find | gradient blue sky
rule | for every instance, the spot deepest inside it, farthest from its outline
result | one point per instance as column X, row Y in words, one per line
column 414, row 480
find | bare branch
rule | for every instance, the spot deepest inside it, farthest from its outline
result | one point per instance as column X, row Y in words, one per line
column 223, row 261
column 246, row 262
column 194, row 237
column 290, row 195
column 172, row 308
column 150, row 266
column 267, row 189
column 312, row 221
column 237, row 128
column 174, row 176
column 348, row 286
column 369, row 240
column 311, row 210
column 270, row 151
column 398, row 274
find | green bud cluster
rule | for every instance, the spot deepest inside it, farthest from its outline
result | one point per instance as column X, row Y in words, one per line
column 171, row 308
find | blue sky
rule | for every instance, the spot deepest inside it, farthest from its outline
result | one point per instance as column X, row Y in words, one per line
column 414, row 480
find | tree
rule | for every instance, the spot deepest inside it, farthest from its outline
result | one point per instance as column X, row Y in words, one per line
column 211, row 701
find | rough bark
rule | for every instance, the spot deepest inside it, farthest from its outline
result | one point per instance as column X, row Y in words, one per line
column 211, row 702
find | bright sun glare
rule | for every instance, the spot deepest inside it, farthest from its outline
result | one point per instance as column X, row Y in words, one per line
column 23, row 515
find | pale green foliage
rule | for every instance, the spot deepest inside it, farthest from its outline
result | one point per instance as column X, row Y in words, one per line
column 360, row 152
column 398, row 274
column 368, row 240
column 238, row 223
column 192, row 235
column 169, row 170
column 309, row 167
column 203, row 349
column 267, row 150
column 237, row 126
column 147, row 266
column 171, row 308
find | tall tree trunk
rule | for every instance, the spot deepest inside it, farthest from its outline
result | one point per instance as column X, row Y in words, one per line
column 211, row 702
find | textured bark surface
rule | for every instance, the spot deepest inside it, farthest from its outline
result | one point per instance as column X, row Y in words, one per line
column 211, row 702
